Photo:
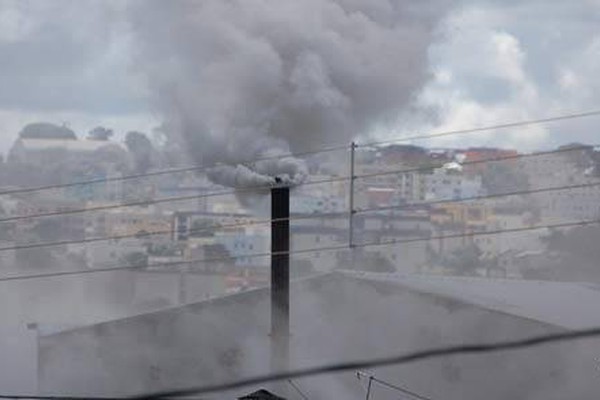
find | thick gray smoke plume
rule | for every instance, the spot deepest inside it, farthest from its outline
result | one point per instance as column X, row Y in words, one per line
column 242, row 79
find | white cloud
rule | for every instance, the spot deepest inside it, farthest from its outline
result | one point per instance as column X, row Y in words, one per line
column 499, row 62
column 507, row 56
column 14, row 24
column 66, row 60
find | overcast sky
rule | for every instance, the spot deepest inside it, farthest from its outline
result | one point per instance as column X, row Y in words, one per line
column 70, row 61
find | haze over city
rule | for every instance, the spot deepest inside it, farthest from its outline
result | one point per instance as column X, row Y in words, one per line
column 195, row 193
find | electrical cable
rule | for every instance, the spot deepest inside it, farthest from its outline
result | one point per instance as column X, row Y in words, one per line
column 477, row 198
column 466, row 349
column 67, row 397
column 199, row 168
column 297, row 389
column 34, row 397
column 392, row 386
column 303, row 217
column 369, row 387
column 265, row 187
column 484, row 128
column 305, row 251
column 476, row 162
column 405, row 358
column 399, row 359
column 144, row 203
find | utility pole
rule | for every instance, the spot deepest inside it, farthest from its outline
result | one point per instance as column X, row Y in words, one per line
column 351, row 210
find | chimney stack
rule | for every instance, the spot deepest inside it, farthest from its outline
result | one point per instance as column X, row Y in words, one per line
column 280, row 277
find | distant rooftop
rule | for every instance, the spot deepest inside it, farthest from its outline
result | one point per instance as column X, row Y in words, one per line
column 65, row 144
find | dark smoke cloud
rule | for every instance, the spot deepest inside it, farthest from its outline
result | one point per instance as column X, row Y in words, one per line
column 238, row 79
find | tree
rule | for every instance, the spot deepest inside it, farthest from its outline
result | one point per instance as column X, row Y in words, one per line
column 570, row 256
column 45, row 130
column 141, row 149
column 501, row 178
column 136, row 259
column 373, row 262
column 100, row 133
column 464, row 260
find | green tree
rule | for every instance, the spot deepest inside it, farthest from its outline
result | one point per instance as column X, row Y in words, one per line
column 141, row 149
column 464, row 260
column 136, row 259
column 100, row 133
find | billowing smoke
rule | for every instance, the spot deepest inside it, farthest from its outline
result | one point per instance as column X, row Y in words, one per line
column 243, row 79
column 274, row 166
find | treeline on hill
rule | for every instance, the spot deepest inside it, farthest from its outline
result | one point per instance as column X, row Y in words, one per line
column 103, row 155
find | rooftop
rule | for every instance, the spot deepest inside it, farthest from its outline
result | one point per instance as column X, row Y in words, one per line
column 570, row 305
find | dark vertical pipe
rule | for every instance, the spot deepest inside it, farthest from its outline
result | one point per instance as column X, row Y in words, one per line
column 280, row 276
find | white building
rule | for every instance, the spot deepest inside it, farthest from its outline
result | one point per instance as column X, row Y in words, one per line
column 569, row 205
column 378, row 185
column 305, row 204
column 243, row 245
column 449, row 183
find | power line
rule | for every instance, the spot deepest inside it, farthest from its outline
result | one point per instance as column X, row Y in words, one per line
column 166, row 232
column 485, row 128
column 475, row 162
column 305, row 251
column 68, row 397
column 297, row 389
column 451, row 236
column 369, row 386
column 479, row 198
column 200, row 168
column 252, row 189
column 75, row 272
column 169, row 171
column 36, row 397
column 398, row 388
column 302, row 217
column 399, row 359
column 143, row 203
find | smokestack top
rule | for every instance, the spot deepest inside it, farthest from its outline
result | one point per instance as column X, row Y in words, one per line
column 281, row 183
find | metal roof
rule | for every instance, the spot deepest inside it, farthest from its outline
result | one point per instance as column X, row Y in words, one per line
column 570, row 305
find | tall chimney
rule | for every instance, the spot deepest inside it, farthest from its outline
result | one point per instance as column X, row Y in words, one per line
column 280, row 278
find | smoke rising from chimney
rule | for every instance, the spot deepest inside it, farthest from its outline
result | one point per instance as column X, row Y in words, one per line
column 237, row 80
